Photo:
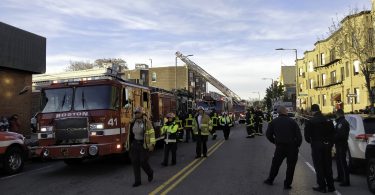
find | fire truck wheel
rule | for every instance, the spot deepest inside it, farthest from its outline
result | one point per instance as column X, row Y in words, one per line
column 73, row 161
column 13, row 160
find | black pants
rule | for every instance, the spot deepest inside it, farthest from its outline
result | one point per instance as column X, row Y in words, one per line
column 226, row 131
column 201, row 145
column 342, row 166
column 189, row 132
column 290, row 152
column 250, row 130
column 322, row 159
column 139, row 157
column 259, row 127
column 170, row 147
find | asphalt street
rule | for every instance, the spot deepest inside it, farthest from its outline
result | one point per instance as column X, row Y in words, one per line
column 236, row 166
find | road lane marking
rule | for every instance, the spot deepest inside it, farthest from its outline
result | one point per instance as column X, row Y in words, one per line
column 191, row 170
column 23, row 173
column 160, row 188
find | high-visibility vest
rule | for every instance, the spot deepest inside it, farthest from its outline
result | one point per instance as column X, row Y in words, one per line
column 189, row 121
column 225, row 121
column 179, row 123
column 251, row 120
column 214, row 120
column 169, row 131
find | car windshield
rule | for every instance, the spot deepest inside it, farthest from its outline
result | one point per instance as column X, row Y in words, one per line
column 96, row 97
column 369, row 125
column 57, row 100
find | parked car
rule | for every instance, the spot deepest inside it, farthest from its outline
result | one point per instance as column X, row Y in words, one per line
column 370, row 168
column 362, row 127
column 13, row 152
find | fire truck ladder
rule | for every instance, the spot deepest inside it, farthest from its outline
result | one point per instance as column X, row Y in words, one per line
column 212, row 80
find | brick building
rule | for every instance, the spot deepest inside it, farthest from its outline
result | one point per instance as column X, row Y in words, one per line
column 21, row 54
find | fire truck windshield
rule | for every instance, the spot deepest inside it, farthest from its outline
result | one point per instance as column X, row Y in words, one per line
column 85, row 98
column 96, row 97
column 57, row 100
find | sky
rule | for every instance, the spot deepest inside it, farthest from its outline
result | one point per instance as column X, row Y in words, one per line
column 233, row 40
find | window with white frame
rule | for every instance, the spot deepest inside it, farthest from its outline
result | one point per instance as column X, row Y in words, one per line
column 324, row 98
column 153, row 77
column 311, row 83
column 324, row 77
column 356, row 67
column 311, row 66
column 357, row 97
column 322, row 59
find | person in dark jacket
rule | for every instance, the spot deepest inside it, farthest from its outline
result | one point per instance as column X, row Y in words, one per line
column 285, row 133
column 259, row 122
column 341, row 143
column 319, row 132
column 250, row 123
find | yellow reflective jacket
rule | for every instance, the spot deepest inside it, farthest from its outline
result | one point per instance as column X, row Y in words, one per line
column 169, row 131
column 189, row 121
column 205, row 127
column 149, row 134
column 214, row 120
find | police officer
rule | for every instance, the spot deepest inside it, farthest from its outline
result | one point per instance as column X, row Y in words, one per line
column 259, row 122
column 250, row 123
column 215, row 120
column 285, row 133
column 142, row 141
column 319, row 132
column 225, row 123
column 180, row 131
column 169, row 130
column 189, row 128
column 202, row 126
column 341, row 143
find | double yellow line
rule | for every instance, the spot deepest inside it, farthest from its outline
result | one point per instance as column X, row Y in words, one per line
column 184, row 172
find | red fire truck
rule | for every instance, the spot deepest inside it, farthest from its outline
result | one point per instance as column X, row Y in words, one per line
column 87, row 118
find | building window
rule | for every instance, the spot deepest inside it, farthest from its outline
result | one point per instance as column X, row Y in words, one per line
column 342, row 76
column 347, row 68
column 197, row 80
column 324, row 99
column 332, row 54
column 311, row 84
column 128, row 76
column 347, row 96
column 357, row 98
column 370, row 36
column 153, row 77
column 322, row 59
column 333, row 77
column 324, row 77
column 356, row 67
column 311, row 66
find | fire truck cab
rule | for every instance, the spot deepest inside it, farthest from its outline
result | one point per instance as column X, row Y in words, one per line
column 88, row 118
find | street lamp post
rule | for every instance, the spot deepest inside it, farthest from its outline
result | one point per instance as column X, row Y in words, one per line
column 295, row 50
column 151, row 62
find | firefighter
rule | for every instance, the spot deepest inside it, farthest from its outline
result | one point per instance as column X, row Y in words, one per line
column 226, row 123
column 250, row 123
column 319, row 132
column 189, row 128
column 180, row 131
column 142, row 141
column 202, row 125
column 215, row 126
column 169, row 130
column 259, row 122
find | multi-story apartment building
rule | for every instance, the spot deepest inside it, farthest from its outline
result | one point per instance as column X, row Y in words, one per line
column 288, row 80
column 330, row 74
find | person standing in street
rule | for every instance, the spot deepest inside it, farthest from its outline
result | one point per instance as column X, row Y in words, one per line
column 225, row 123
column 169, row 130
column 259, row 122
column 215, row 121
column 250, row 123
column 202, row 126
column 285, row 133
column 189, row 128
column 142, row 141
column 319, row 132
column 341, row 144
column 14, row 124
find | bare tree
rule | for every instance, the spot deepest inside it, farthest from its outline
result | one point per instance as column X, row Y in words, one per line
column 352, row 38
column 79, row 65
column 115, row 61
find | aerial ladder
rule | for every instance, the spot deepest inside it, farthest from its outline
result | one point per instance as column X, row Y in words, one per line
column 209, row 78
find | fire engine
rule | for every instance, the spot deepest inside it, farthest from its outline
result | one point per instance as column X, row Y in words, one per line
column 13, row 152
column 87, row 118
